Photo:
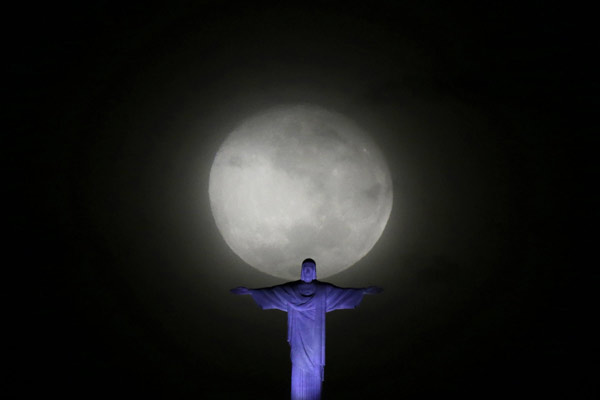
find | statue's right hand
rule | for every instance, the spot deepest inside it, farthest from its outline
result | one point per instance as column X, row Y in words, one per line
column 240, row 290
column 373, row 290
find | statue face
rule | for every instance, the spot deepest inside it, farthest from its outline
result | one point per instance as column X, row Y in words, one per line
column 309, row 271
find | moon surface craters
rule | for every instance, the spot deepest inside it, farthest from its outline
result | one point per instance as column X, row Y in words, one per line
column 297, row 182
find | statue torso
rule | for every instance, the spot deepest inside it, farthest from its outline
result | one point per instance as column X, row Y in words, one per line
column 307, row 289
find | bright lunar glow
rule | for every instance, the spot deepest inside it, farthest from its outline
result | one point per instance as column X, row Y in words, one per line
column 296, row 182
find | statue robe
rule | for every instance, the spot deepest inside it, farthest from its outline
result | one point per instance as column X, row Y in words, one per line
column 306, row 305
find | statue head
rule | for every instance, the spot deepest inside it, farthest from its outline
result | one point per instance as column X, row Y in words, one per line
column 309, row 270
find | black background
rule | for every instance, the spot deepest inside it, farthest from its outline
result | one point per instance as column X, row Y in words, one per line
column 115, row 113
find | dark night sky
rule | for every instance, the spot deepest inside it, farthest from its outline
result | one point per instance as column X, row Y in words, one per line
column 118, row 111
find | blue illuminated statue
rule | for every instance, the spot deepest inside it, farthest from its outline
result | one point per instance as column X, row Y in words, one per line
column 306, row 301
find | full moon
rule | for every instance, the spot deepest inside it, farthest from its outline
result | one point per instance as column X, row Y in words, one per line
column 296, row 182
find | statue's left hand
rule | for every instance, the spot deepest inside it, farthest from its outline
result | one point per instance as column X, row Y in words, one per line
column 373, row 290
column 240, row 290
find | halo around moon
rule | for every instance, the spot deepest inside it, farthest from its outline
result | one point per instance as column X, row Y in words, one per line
column 299, row 181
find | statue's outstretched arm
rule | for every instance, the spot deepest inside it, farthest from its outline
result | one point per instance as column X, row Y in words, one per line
column 275, row 297
column 372, row 290
column 240, row 290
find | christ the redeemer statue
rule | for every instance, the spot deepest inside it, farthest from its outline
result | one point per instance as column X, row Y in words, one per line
column 306, row 301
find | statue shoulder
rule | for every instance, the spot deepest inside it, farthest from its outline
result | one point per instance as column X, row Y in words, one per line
column 324, row 285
